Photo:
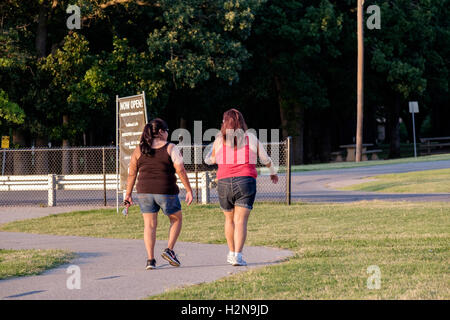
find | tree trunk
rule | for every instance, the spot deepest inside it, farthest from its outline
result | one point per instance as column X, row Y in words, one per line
column 298, row 134
column 292, row 122
column 41, row 157
column 65, row 166
column 183, row 123
column 325, row 145
column 41, row 34
column 284, row 124
column 76, row 161
column 394, row 126
column 21, row 159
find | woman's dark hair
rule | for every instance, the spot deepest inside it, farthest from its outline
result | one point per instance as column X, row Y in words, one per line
column 151, row 131
column 233, row 120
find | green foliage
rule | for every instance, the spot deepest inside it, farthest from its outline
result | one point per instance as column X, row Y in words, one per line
column 195, row 58
column 10, row 112
column 399, row 50
column 68, row 68
column 10, row 54
column 198, row 39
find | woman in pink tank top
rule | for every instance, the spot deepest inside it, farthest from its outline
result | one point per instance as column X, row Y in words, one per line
column 236, row 152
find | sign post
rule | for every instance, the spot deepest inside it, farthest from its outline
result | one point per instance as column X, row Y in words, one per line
column 131, row 119
column 414, row 108
column 5, row 145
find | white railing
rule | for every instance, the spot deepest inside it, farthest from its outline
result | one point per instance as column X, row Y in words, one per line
column 51, row 183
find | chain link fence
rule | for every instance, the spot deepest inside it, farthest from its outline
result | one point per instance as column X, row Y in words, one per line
column 266, row 190
column 87, row 176
column 58, row 176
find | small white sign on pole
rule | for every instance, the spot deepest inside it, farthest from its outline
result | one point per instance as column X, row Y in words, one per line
column 413, row 107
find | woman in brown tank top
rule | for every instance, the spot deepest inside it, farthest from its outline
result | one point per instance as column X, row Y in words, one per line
column 157, row 161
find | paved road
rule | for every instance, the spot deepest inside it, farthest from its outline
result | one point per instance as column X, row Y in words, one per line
column 310, row 186
column 317, row 186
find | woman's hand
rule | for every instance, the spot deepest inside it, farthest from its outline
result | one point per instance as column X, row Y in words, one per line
column 189, row 197
column 129, row 199
column 274, row 178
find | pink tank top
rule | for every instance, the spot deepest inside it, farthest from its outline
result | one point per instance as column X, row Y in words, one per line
column 236, row 162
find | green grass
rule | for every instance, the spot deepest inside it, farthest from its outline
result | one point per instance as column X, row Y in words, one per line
column 333, row 246
column 428, row 181
column 16, row 263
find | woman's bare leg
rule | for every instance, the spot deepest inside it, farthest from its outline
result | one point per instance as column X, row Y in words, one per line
column 176, row 221
column 150, row 224
column 240, row 227
column 229, row 229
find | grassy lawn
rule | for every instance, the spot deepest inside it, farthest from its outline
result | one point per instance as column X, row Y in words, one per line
column 428, row 181
column 15, row 263
column 334, row 244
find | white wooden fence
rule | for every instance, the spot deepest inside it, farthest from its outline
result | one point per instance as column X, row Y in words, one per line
column 51, row 183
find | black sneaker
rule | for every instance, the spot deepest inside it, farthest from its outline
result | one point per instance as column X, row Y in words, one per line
column 151, row 264
column 170, row 256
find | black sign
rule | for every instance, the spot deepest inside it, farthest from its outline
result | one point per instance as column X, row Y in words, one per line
column 132, row 120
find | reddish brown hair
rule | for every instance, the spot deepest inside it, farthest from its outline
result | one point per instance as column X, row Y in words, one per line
column 232, row 120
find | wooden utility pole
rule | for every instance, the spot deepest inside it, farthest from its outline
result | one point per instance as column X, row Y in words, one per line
column 360, row 85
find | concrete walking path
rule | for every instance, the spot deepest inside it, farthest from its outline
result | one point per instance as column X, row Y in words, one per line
column 115, row 268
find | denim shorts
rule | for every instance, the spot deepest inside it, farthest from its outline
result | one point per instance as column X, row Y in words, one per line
column 236, row 191
column 151, row 203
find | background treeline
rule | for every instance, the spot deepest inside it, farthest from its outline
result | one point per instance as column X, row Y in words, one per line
column 288, row 64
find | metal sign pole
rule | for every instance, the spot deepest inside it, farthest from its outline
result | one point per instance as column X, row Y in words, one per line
column 145, row 107
column 117, row 153
column 414, row 135
column 3, row 163
column 288, row 169
column 414, row 108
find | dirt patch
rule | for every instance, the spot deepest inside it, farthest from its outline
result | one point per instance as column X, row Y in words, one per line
column 348, row 182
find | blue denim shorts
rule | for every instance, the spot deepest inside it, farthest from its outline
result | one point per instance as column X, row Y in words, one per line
column 236, row 191
column 151, row 203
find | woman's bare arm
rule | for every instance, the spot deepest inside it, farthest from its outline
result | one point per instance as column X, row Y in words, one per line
column 210, row 158
column 178, row 164
column 132, row 172
column 265, row 159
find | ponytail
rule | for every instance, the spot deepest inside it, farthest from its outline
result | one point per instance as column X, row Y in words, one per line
column 150, row 132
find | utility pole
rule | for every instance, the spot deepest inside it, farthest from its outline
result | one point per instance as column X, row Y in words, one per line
column 360, row 85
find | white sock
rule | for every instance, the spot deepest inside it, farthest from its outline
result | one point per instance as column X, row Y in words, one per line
column 231, row 253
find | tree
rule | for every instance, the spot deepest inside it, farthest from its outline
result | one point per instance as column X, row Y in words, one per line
column 197, row 42
column 398, row 52
column 305, row 34
column 10, row 112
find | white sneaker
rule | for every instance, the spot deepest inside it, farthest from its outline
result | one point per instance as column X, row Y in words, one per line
column 239, row 261
column 231, row 259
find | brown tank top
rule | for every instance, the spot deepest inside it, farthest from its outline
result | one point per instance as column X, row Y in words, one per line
column 156, row 173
